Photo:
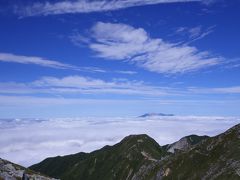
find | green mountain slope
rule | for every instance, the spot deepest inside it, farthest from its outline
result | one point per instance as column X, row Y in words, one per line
column 120, row 161
column 214, row 158
column 139, row 157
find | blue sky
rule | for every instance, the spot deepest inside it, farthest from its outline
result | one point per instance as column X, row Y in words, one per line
column 119, row 58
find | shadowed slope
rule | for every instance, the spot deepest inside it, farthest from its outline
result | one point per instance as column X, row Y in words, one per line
column 120, row 161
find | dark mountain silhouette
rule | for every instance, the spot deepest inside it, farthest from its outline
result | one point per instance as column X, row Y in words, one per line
column 139, row 157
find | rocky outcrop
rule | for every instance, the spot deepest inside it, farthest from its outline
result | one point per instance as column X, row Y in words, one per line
column 185, row 143
column 214, row 158
column 11, row 171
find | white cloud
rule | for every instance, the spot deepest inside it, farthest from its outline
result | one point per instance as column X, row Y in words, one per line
column 135, row 46
column 194, row 33
column 30, row 141
column 126, row 72
column 209, row 2
column 219, row 90
column 87, row 6
column 7, row 57
column 12, row 58
column 83, row 85
column 33, row 101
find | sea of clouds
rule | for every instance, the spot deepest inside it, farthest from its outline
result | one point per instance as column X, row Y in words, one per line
column 28, row 141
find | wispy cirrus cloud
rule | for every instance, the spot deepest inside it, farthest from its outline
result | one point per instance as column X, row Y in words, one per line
column 87, row 6
column 83, row 85
column 44, row 62
column 135, row 46
column 126, row 72
column 194, row 33
column 216, row 90
column 77, row 95
column 12, row 58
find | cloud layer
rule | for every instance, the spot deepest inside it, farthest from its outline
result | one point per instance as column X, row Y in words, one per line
column 28, row 141
column 135, row 46
column 87, row 6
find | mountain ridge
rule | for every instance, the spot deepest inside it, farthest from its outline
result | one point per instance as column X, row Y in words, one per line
column 197, row 157
column 139, row 157
column 133, row 151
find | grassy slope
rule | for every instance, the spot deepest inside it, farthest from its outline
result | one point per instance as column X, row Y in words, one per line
column 213, row 158
column 110, row 162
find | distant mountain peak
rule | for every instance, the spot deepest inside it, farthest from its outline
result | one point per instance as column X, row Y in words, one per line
column 155, row 114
